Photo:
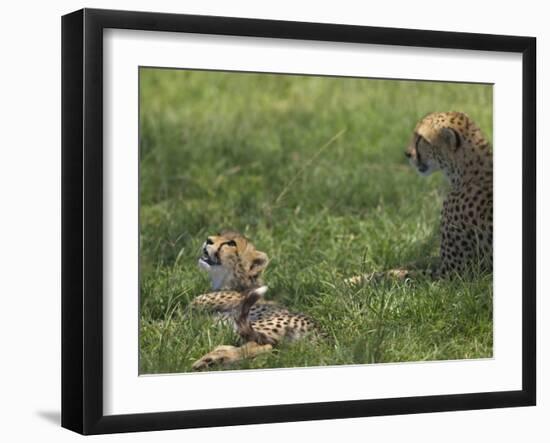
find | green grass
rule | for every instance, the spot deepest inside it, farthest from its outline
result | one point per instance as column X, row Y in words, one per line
column 312, row 170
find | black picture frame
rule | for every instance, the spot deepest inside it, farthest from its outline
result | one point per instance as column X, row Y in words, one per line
column 82, row 218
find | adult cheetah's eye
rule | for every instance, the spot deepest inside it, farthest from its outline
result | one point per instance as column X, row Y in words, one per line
column 231, row 243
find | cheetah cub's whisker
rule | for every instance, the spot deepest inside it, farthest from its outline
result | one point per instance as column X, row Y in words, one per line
column 235, row 269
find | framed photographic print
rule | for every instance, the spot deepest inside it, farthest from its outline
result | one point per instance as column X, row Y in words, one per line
column 270, row 221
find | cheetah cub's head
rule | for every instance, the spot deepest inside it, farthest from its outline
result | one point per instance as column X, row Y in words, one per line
column 437, row 142
column 232, row 261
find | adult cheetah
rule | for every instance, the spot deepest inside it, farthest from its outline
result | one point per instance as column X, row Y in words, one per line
column 453, row 143
column 235, row 269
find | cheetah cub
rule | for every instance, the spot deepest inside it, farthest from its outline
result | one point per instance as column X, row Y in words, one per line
column 235, row 269
column 452, row 143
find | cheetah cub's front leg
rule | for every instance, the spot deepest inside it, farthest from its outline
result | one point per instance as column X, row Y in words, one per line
column 226, row 355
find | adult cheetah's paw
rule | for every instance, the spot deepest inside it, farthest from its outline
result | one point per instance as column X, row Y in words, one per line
column 355, row 280
column 403, row 275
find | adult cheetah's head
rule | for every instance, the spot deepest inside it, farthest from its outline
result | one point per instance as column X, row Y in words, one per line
column 436, row 142
column 232, row 261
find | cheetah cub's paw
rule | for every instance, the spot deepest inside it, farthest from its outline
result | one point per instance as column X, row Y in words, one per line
column 221, row 355
column 227, row 355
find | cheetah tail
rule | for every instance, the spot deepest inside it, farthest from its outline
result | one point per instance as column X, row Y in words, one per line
column 244, row 328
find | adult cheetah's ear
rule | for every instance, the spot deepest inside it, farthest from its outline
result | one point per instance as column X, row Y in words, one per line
column 452, row 138
column 259, row 262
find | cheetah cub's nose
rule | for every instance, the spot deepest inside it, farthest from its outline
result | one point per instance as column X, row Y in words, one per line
column 407, row 154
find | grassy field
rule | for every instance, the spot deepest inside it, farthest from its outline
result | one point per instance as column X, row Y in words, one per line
column 312, row 170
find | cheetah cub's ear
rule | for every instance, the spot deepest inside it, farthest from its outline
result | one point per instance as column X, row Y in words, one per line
column 259, row 262
column 451, row 138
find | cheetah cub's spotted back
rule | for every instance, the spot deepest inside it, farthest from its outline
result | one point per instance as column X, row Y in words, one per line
column 453, row 143
column 235, row 269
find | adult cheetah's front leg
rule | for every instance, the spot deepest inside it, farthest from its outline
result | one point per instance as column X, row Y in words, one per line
column 227, row 355
column 423, row 268
column 394, row 274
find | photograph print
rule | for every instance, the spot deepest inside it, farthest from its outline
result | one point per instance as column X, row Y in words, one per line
column 300, row 221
